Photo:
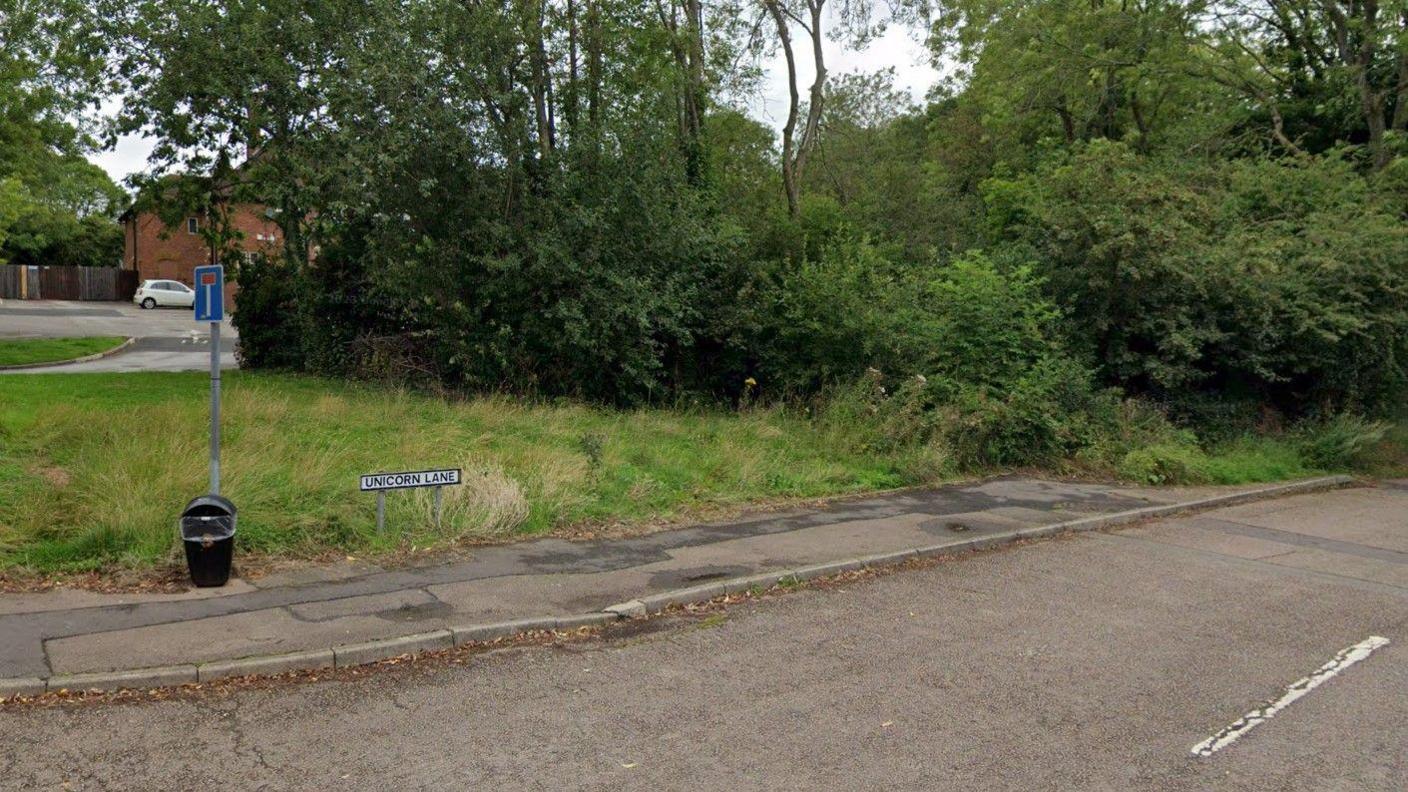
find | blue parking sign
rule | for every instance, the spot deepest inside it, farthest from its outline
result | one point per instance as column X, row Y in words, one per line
column 210, row 293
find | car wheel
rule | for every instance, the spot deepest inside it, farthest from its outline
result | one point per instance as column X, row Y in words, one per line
column 149, row 303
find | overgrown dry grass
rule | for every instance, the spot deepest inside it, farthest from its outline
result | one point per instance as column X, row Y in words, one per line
column 95, row 468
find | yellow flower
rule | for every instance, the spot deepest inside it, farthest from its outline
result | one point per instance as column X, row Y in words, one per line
column 750, row 382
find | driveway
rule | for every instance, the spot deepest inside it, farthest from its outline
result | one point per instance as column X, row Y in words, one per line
column 167, row 338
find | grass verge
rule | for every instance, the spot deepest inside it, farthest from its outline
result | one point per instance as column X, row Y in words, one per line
column 94, row 468
column 29, row 351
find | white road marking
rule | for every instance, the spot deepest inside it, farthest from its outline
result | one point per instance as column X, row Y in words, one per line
column 1344, row 659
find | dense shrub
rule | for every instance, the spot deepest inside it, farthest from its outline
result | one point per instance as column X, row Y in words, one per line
column 1333, row 444
column 1279, row 282
column 963, row 359
column 267, row 315
column 1164, row 463
column 499, row 203
column 968, row 321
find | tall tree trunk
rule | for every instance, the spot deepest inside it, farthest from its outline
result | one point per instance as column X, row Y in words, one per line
column 687, row 47
column 795, row 148
column 1400, row 100
column 594, row 45
column 1356, row 40
column 571, row 93
column 817, row 96
column 696, row 93
column 1068, row 121
column 784, row 36
column 1373, row 102
column 541, row 88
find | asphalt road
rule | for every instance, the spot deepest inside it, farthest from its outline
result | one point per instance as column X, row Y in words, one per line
column 1094, row 662
column 166, row 338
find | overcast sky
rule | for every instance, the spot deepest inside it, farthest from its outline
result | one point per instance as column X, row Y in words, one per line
column 896, row 48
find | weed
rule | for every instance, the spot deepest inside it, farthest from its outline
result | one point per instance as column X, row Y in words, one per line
column 593, row 447
column 712, row 620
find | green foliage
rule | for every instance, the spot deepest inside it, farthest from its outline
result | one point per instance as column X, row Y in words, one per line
column 266, row 315
column 1164, row 463
column 42, row 233
column 1337, row 442
column 1114, row 219
column 26, row 351
column 1040, row 418
column 55, row 206
column 1052, row 73
column 1279, row 279
column 964, row 360
column 968, row 321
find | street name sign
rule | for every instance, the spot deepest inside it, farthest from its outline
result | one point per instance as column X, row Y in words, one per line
column 381, row 482
column 414, row 478
column 210, row 293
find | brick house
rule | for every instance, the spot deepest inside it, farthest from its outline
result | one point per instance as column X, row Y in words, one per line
column 156, row 250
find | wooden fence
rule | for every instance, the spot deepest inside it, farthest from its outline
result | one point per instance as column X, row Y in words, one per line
column 66, row 283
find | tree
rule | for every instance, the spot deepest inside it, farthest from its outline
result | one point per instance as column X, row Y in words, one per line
column 797, row 145
column 239, row 94
column 1060, row 72
column 1276, row 281
column 58, row 208
column 1310, row 52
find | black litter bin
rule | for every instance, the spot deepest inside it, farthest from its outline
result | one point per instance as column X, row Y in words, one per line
column 208, row 532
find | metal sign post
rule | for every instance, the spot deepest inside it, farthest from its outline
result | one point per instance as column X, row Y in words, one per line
column 214, row 408
column 381, row 482
column 210, row 307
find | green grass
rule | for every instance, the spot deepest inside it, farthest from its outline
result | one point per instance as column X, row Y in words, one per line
column 94, row 468
column 28, row 351
column 1255, row 459
column 1388, row 458
column 1346, row 444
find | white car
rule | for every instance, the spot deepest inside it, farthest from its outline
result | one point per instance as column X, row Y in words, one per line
column 164, row 292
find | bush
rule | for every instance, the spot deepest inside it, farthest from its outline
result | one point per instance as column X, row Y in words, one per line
column 968, row 321
column 1164, row 463
column 267, row 315
column 1334, row 444
column 1267, row 281
column 961, row 362
column 1047, row 414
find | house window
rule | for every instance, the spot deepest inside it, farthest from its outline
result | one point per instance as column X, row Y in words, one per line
column 192, row 225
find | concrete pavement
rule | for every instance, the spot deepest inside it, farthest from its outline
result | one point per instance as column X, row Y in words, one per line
column 1093, row 663
column 166, row 338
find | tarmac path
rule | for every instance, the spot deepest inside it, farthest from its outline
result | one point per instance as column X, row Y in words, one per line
column 1099, row 661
